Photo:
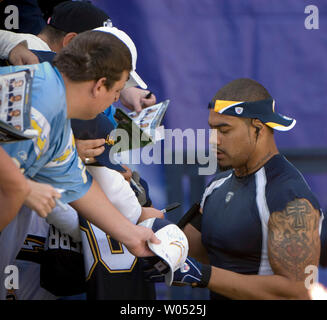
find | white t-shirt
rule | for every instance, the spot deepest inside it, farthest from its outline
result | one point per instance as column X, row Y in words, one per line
column 117, row 190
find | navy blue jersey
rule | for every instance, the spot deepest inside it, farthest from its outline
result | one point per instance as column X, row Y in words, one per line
column 112, row 272
column 236, row 213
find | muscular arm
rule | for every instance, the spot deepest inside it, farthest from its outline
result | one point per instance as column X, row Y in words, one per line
column 293, row 240
column 194, row 237
column 196, row 248
column 293, row 244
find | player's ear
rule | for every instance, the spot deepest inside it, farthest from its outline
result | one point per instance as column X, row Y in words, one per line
column 258, row 126
column 68, row 37
column 98, row 86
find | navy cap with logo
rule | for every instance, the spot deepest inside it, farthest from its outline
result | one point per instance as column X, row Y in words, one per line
column 77, row 16
column 263, row 110
column 97, row 128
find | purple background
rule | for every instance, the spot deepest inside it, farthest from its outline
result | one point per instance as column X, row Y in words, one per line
column 188, row 49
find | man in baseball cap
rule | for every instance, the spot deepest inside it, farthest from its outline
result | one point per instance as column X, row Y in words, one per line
column 251, row 216
column 72, row 17
column 68, row 19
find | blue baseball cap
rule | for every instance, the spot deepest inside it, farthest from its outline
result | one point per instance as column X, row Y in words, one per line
column 98, row 128
column 264, row 110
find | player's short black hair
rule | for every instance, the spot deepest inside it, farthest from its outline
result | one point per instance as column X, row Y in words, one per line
column 243, row 89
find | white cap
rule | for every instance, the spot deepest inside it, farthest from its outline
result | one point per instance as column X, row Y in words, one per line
column 134, row 78
column 173, row 248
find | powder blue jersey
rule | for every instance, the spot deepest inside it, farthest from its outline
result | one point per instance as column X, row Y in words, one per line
column 236, row 213
column 51, row 157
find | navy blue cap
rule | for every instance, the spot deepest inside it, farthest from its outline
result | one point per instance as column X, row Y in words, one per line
column 77, row 16
column 97, row 128
column 263, row 110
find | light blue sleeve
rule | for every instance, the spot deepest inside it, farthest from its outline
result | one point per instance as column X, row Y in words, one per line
column 70, row 178
column 66, row 171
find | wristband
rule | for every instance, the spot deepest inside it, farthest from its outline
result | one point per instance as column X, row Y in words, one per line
column 206, row 274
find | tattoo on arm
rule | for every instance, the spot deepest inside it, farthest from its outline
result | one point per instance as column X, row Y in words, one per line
column 293, row 239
